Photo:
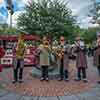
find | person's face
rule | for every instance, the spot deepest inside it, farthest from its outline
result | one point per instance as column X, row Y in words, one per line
column 62, row 40
column 45, row 41
column 78, row 40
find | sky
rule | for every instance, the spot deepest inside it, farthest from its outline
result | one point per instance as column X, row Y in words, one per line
column 80, row 8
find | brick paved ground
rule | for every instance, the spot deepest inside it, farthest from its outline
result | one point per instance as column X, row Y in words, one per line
column 33, row 86
column 92, row 94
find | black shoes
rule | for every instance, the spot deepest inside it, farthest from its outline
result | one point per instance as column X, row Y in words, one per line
column 78, row 79
column 60, row 79
column 98, row 82
column 20, row 81
column 85, row 80
column 47, row 79
column 15, row 81
column 66, row 79
column 42, row 79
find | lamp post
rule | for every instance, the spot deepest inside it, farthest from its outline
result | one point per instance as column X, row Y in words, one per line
column 10, row 10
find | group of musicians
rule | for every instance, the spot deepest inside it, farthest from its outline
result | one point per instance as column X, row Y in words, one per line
column 63, row 52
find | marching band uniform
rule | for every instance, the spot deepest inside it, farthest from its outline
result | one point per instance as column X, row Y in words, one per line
column 19, row 53
column 81, row 61
column 63, row 61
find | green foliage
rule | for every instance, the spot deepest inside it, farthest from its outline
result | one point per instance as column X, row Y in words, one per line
column 4, row 29
column 49, row 17
column 89, row 35
column 95, row 13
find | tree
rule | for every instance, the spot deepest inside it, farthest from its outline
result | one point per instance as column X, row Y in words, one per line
column 50, row 17
column 5, row 30
column 95, row 12
column 89, row 35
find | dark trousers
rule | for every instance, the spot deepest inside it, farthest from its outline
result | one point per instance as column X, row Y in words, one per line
column 18, row 71
column 66, row 74
column 61, row 69
column 44, row 70
column 98, row 68
column 81, row 73
column 63, row 73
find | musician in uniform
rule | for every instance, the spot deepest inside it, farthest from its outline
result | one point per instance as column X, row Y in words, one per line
column 19, row 53
column 44, row 51
column 97, row 54
column 63, row 53
column 81, row 61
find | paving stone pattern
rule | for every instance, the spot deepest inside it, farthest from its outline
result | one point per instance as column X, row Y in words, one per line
column 92, row 94
column 33, row 89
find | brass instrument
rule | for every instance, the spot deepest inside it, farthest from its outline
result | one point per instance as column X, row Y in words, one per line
column 45, row 46
column 20, row 49
column 60, row 52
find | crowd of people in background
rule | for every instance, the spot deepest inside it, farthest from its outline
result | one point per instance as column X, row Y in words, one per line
column 63, row 52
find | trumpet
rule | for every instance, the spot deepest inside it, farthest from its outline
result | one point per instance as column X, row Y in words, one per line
column 45, row 46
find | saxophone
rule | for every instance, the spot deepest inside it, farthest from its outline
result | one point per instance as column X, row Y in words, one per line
column 60, row 52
